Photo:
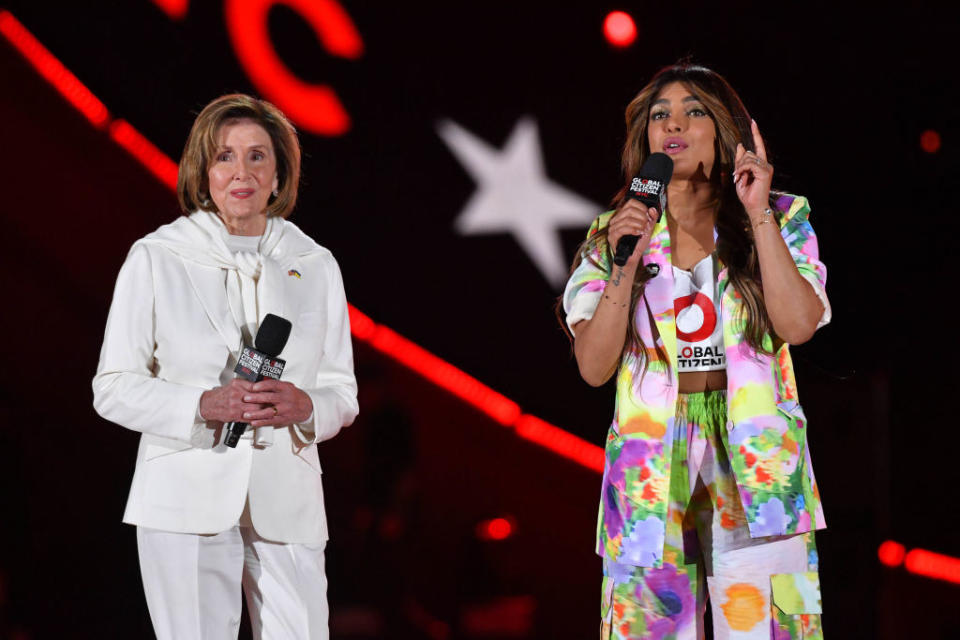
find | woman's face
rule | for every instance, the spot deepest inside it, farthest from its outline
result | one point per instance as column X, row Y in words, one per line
column 242, row 175
column 681, row 128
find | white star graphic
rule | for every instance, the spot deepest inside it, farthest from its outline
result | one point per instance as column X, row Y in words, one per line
column 515, row 196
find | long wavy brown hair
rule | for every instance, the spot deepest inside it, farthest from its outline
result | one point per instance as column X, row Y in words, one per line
column 735, row 245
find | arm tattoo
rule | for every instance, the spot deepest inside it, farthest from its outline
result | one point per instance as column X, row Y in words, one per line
column 618, row 277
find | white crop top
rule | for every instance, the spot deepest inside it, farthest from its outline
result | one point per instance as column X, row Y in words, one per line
column 697, row 308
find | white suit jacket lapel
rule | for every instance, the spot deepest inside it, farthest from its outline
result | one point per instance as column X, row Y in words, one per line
column 208, row 284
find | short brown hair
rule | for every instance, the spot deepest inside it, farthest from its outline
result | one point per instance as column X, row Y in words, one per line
column 193, row 189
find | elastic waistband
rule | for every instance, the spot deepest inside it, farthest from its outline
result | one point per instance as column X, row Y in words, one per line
column 708, row 402
column 704, row 394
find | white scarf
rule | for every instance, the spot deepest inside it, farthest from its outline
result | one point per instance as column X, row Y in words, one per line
column 254, row 281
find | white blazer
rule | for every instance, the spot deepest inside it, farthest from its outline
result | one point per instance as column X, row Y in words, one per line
column 170, row 336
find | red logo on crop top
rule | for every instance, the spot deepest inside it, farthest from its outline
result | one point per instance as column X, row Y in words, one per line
column 709, row 316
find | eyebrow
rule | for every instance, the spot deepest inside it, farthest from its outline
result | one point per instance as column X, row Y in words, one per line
column 687, row 99
column 227, row 147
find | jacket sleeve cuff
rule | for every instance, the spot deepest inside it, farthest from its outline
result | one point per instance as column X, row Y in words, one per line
column 331, row 412
column 822, row 294
column 306, row 431
column 582, row 307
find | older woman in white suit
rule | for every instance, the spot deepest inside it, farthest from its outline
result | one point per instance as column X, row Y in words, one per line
column 210, row 517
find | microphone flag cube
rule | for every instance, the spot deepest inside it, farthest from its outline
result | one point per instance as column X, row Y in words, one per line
column 250, row 363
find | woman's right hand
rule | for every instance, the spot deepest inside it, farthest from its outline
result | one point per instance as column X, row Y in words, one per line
column 225, row 404
column 599, row 341
column 633, row 218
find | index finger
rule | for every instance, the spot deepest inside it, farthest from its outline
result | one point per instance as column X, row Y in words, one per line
column 260, row 398
column 758, row 141
column 632, row 205
column 268, row 384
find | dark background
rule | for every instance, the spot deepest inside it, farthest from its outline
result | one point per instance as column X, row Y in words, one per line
column 842, row 96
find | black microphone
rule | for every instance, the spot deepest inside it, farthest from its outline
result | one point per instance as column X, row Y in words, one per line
column 260, row 363
column 650, row 188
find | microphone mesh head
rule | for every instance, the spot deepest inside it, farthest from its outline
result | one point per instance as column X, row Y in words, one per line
column 658, row 166
column 272, row 335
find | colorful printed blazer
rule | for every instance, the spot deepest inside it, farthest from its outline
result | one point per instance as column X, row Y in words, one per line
column 766, row 426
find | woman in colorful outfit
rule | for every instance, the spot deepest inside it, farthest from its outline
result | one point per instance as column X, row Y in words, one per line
column 708, row 486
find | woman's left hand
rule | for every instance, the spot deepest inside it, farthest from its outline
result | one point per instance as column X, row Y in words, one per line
column 283, row 404
column 752, row 176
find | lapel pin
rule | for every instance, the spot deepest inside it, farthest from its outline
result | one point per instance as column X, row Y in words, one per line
column 294, row 272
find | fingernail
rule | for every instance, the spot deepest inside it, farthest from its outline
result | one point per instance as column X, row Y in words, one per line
column 652, row 210
column 247, row 414
column 246, row 398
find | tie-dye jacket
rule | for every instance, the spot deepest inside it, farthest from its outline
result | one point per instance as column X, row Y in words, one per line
column 766, row 426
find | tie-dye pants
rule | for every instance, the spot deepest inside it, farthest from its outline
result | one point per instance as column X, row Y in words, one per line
column 759, row 588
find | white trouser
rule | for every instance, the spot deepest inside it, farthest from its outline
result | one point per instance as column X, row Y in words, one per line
column 192, row 583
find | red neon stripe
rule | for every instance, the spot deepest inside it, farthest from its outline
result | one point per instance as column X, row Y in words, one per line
column 920, row 561
column 559, row 441
column 440, row 372
column 933, row 565
column 53, row 70
column 474, row 392
column 143, row 150
column 361, row 326
column 444, row 374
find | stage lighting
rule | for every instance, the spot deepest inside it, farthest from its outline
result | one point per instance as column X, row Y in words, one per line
column 495, row 529
column 619, row 29
column 930, row 141
column 891, row 553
